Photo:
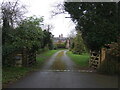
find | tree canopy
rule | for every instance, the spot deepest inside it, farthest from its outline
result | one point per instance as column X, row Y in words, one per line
column 29, row 33
column 97, row 22
column 20, row 33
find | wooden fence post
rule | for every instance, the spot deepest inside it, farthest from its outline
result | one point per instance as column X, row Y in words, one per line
column 103, row 54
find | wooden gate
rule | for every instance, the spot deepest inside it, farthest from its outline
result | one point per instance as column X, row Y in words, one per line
column 25, row 58
column 97, row 57
column 94, row 61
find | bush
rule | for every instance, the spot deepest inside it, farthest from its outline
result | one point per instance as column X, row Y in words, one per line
column 78, row 51
column 7, row 54
column 114, row 50
column 59, row 45
column 54, row 47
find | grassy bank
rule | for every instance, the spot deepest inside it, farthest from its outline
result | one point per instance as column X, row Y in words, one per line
column 11, row 74
column 81, row 60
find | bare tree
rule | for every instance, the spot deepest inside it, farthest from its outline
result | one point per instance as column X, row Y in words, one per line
column 48, row 27
column 72, row 34
column 12, row 12
column 59, row 8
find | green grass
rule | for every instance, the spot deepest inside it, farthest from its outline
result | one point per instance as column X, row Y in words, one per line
column 11, row 74
column 45, row 55
column 80, row 60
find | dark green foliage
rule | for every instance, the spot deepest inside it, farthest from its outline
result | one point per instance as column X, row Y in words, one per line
column 97, row 22
column 47, row 39
column 27, row 35
column 11, row 13
column 99, row 25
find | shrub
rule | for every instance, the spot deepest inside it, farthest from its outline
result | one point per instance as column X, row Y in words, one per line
column 114, row 50
column 60, row 45
column 54, row 47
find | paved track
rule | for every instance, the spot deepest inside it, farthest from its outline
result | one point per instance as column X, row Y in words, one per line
column 69, row 78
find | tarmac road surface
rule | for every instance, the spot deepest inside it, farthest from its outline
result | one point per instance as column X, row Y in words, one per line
column 69, row 78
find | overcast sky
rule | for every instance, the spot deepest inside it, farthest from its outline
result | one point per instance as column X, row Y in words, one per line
column 61, row 24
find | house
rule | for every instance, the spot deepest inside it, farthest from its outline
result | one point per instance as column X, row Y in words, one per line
column 61, row 39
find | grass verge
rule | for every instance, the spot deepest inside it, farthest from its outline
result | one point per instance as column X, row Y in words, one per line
column 12, row 74
column 82, row 61
column 44, row 56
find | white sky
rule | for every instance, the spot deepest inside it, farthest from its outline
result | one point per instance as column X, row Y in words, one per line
column 61, row 24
